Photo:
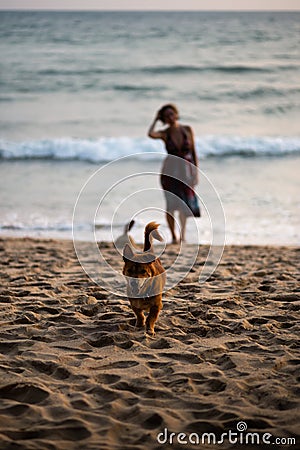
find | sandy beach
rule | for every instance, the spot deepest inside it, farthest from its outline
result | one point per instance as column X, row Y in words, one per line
column 79, row 91
column 76, row 374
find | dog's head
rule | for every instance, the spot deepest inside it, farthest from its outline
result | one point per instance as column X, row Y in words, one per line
column 144, row 273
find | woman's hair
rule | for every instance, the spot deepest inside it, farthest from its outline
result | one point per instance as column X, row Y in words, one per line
column 164, row 108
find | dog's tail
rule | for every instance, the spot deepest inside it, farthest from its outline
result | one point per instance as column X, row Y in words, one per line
column 151, row 233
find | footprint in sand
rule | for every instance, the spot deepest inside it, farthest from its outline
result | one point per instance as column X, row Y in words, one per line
column 51, row 368
column 107, row 378
column 160, row 344
column 103, row 394
column 153, row 422
column 15, row 410
column 215, row 385
column 106, row 340
column 138, row 387
column 157, row 364
column 189, row 358
column 68, row 430
column 225, row 363
column 120, row 365
column 24, row 393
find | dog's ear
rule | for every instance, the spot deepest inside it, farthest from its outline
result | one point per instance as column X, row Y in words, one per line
column 151, row 233
column 156, row 235
column 127, row 252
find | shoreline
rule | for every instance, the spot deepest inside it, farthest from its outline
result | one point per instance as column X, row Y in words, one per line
column 264, row 213
column 75, row 373
column 109, row 243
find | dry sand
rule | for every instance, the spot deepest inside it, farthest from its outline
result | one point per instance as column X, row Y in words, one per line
column 76, row 374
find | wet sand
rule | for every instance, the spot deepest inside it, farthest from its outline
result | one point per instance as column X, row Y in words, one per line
column 76, row 374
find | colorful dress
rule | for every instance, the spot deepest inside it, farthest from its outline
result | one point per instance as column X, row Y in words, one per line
column 178, row 175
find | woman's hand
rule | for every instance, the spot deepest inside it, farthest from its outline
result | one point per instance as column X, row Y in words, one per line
column 155, row 134
column 158, row 116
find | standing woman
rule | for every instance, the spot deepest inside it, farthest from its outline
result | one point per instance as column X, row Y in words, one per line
column 179, row 174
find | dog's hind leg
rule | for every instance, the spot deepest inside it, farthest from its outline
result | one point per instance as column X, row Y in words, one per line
column 140, row 318
column 152, row 318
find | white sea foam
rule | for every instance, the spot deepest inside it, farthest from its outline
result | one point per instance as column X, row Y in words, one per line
column 107, row 149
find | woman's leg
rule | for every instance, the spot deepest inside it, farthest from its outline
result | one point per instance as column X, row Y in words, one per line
column 182, row 219
column 171, row 223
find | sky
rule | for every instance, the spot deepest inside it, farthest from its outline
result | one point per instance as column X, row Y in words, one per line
column 151, row 4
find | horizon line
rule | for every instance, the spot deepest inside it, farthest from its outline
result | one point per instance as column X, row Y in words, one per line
column 145, row 10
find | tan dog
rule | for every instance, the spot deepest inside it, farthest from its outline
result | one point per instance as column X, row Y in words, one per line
column 145, row 278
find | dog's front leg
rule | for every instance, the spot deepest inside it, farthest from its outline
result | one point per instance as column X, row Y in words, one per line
column 140, row 318
column 152, row 317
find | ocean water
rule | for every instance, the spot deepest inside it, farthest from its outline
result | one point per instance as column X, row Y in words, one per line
column 78, row 90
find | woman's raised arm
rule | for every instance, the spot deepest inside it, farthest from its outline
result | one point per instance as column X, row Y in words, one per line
column 160, row 134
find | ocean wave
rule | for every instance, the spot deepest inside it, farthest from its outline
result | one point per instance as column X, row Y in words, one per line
column 160, row 69
column 263, row 91
column 165, row 69
column 229, row 68
column 32, row 227
column 107, row 149
column 60, row 77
